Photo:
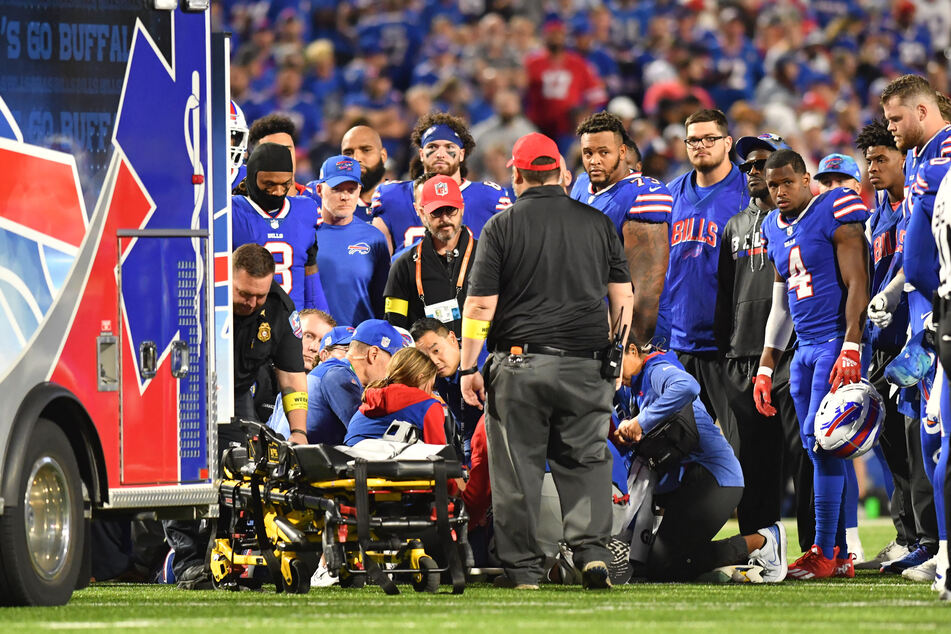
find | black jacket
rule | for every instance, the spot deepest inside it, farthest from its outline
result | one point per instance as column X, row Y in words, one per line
column 745, row 292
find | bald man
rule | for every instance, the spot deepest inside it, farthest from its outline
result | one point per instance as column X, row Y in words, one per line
column 363, row 144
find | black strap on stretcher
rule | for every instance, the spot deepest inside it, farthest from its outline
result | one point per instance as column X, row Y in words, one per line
column 362, row 494
column 456, row 570
column 260, row 532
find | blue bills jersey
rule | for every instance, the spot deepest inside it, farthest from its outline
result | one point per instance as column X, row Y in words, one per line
column 884, row 230
column 697, row 220
column 393, row 203
column 804, row 255
column 287, row 233
column 634, row 197
column 363, row 212
column 353, row 261
column 921, row 252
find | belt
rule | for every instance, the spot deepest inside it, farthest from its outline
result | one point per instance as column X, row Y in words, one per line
column 534, row 348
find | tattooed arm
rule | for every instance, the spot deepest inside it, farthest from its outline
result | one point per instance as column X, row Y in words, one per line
column 647, row 249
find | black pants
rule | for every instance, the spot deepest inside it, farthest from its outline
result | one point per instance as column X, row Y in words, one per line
column 707, row 368
column 895, row 449
column 539, row 408
column 693, row 514
column 768, row 444
column 922, row 491
column 190, row 538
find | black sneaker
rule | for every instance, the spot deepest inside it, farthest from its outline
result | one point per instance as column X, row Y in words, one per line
column 595, row 576
column 197, row 577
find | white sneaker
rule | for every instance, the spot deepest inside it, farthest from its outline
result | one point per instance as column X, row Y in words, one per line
column 772, row 556
column 942, row 567
column 323, row 579
column 922, row 572
column 854, row 543
column 891, row 552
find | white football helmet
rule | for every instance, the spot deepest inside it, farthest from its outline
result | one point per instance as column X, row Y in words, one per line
column 238, row 133
column 849, row 421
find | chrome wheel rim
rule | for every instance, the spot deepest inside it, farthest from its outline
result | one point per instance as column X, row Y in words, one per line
column 47, row 518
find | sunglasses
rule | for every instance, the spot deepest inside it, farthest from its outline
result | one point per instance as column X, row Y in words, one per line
column 444, row 211
column 748, row 166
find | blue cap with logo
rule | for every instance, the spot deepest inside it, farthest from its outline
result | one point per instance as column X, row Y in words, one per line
column 839, row 164
column 339, row 169
column 337, row 336
column 379, row 333
column 768, row 141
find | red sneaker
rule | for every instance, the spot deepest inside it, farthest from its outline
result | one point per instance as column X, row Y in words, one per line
column 812, row 565
column 844, row 567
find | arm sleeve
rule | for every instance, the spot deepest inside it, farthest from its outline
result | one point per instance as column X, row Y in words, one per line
column 487, row 265
column 342, row 393
column 675, row 389
column 726, row 271
column 396, row 295
column 619, row 271
column 434, row 425
column 381, row 271
column 288, row 353
column 314, row 296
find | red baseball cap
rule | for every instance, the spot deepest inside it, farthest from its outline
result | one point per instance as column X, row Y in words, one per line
column 533, row 146
column 438, row 192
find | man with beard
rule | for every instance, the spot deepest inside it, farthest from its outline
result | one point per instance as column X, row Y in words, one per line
column 284, row 224
column 431, row 279
column 639, row 206
column 743, row 300
column 561, row 86
column 914, row 118
column 362, row 143
column 443, row 142
column 705, row 198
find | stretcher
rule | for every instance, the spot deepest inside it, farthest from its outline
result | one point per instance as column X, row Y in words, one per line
column 379, row 512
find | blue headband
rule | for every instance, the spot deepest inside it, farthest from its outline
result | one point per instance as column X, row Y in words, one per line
column 440, row 132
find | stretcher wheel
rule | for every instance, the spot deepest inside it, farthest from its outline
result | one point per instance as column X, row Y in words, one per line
column 426, row 580
column 300, row 580
column 350, row 580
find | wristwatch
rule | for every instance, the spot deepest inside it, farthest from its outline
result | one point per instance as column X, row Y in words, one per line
column 469, row 371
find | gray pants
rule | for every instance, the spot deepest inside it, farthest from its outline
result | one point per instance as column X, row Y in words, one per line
column 556, row 408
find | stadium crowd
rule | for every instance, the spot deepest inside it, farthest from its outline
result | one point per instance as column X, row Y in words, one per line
column 705, row 132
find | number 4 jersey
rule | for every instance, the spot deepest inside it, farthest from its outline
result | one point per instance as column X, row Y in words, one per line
column 804, row 255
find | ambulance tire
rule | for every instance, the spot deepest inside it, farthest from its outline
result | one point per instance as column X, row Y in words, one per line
column 42, row 531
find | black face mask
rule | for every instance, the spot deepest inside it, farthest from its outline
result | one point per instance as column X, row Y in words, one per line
column 267, row 157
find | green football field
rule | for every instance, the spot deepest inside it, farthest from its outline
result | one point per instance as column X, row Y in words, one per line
column 870, row 602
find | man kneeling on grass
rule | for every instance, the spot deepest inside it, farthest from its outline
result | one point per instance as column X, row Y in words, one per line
column 699, row 481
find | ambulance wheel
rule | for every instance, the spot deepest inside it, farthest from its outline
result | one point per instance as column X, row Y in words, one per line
column 41, row 529
column 300, row 579
column 427, row 579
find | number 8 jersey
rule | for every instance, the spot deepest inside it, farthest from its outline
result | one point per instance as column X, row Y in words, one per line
column 804, row 255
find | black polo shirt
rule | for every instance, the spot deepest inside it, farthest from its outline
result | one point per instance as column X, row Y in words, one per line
column 439, row 275
column 266, row 336
column 549, row 259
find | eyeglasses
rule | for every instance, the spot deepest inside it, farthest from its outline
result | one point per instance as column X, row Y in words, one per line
column 748, row 166
column 707, row 141
column 444, row 211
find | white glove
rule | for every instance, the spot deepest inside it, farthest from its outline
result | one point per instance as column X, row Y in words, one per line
column 880, row 310
column 882, row 306
column 930, row 324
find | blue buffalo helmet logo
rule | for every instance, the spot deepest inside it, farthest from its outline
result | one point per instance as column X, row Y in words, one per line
column 834, row 163
column 344, row 165
column 360, row 247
